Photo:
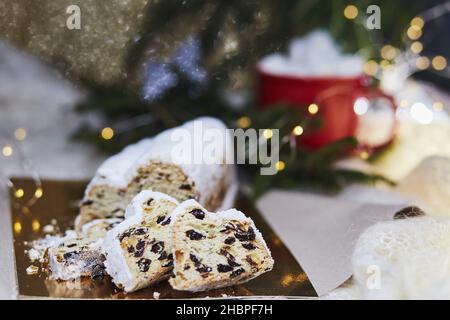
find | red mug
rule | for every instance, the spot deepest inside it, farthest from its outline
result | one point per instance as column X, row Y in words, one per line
column 335, row 97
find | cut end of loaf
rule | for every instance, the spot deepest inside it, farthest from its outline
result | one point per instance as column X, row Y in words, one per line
column 104, row 201
column 214, row 250
column 138, row 251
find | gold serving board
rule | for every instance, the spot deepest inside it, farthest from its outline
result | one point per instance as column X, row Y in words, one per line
column 60, row 200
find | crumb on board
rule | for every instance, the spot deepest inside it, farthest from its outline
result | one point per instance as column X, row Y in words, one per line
column 156, row 295
column 34, row 254
column 32, row 270
column 49, row 228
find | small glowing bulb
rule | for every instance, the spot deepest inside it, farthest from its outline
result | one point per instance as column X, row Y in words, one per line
column 350, row 12
column 7, row 150
column 313, row 108
column 422, row 63
column 416, row 47
column 19, row 193
column 107, row 133
column 438, row 106
column 267, row 133
column 298, row 130
column 38, row 193
column 385, row 64
column 364, row 155
column 20, row 134
column 35, row 225
column 244, row 122
column 439, row 63
column 388, row 52
column 370, row 67
column 414, row 33
column 17, row 227
column 404, row 103
column 417, row 23
column 280, row 165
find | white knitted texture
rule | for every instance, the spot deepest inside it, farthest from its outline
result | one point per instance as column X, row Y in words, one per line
column 429, row 185
column 413, row 257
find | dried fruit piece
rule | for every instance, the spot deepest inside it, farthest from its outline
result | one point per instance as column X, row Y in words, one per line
column 194, row 235
column 144, row 264
column 198, row 213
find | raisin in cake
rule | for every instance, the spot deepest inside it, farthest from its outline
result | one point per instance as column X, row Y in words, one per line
column 138, row 250
column 214, row 250
column 149, row 165
column 75, row 258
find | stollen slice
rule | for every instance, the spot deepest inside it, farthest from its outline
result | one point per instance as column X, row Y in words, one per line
column 214, row 250
column 138, row 250
column 75, row 258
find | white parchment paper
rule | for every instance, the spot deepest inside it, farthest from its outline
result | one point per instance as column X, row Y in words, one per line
column 321, row 231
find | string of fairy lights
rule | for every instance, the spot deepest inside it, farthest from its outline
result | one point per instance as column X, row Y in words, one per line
column 25, row 201
column 390, row 57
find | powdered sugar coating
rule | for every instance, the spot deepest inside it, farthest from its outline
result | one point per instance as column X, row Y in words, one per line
column 135, row 207
column 119, row 169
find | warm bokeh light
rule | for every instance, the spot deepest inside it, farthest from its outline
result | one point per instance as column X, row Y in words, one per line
column 107, row 133
column 313, row 108
column 244, row 122
column 404, row 103
column 438, row 106
column 439, row 63
column 267, row 133
column 417, row 23
column 280, row 165
column 416, row 47
column 370, row 68
column 7, row 150
column 364, row 155
column 19, row 193
column 388, row 52
column 414, row 33
column 17, row 227
column 298, row 130
column 35, row 225
column 38, row 193
column 422, row 63
column 350, row 12
column 20, row 134
column 385, row 65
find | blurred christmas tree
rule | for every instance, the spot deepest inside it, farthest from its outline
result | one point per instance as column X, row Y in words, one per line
column 197, row 57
